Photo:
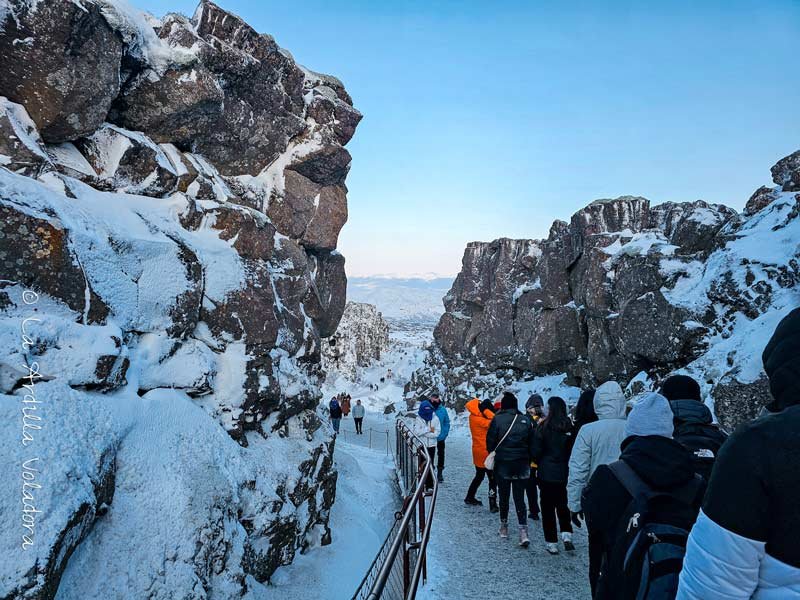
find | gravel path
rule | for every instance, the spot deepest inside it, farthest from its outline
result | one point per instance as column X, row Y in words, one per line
column 468, row 560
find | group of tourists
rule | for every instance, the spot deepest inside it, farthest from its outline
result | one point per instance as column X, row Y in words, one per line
column 340, row 406
column 673, row 507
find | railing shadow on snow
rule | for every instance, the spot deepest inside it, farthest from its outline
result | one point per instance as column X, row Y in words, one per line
column 400, row 564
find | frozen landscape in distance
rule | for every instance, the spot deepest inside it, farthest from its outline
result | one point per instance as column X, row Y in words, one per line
column 175, row 315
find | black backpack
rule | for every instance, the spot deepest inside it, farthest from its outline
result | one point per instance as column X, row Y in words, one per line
column 652, row 535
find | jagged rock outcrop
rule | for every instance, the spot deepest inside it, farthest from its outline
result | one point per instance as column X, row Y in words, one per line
column 171, row 195
column 627, row 288
column 361, row 338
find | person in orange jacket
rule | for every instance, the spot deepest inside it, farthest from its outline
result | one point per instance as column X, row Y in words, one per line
column 480, row 417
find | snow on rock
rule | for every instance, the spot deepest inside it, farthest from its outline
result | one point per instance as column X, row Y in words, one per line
column 360, row 339
column 174, row 317
column 627, row 288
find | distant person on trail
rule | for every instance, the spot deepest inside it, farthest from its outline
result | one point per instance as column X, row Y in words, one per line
column 480, row 417
column 358, row 417
column 346, row 405
column 510, row 436
column 336, row 414
column 444, row 419
column 642, row 507
column 427, row 428
column 535, row 409
column 552, row 444
column 584, row 410
column 694, row 427
column 746, row 542
column 596, row 444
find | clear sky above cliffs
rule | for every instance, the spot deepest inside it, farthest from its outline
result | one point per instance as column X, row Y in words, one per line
column 489, row 119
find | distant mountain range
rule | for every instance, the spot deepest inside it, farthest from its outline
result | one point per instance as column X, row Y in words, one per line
column 415, row 300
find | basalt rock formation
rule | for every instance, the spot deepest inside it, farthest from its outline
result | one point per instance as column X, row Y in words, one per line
column 360, row 339
column 627, row 290
column 171, row 195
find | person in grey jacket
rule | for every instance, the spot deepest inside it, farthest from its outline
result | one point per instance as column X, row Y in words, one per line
column 358, row 417
column 596, row 444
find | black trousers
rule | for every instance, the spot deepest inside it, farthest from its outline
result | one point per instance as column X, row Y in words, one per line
column 440, row 452
column 554, row 504
column 359, row 421
column 432, row 454
column 532, row 490
column 505, row 488
column 595, row 558
column 480, row 473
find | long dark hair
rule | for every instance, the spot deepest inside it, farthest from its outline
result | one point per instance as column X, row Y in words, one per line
column 557, row 418
column 584, row 410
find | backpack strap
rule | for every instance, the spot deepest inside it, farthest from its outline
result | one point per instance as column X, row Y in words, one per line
column 630, row 480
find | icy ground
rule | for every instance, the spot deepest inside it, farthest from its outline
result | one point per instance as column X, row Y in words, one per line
column 366, row 499
column 468, row 560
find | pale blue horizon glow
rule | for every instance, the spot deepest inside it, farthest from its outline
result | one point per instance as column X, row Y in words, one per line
column 486, row 120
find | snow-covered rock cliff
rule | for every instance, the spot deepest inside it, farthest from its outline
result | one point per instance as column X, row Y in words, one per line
column 361, row 338
column 171, row 194
column 629, row 291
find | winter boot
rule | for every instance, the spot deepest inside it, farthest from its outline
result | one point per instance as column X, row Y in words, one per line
column 551, row 547
column 493, row 503
column 473, row 502
column 566, row 537
column 439, row 475
column 524, row 541
column 504, row 529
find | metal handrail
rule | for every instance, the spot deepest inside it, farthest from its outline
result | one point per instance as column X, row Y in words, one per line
column 402, row 539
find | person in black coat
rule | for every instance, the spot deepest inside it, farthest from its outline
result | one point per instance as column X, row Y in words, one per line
column 745, row 542
column 552, row 445
column 694, row 427
column 512, row 461
column 659, row 461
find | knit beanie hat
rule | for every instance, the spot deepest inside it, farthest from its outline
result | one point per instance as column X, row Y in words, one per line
column 534, row 401
column 486, row 405
column 652, row 415
column 509, row 401
column 425, row 410
column 782, row 362
column 680, row 387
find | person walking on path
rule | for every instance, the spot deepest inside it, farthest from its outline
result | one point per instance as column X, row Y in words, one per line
column 444, row 420
column 510, row 437
column 427, row 428
column 694, row 427
column 584, row 410
column 535, row 409
column 552, row 443
column 335, row 414
column 358, row 416
column 596, row 444
column 745, row 542
column 480, row 417
column 663, row 468
column 346, row 405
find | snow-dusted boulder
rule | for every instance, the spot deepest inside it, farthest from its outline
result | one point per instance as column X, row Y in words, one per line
column 172, row 275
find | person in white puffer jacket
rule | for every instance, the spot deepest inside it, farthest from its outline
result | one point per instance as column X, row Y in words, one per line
column 597, row 444
column 427, row 428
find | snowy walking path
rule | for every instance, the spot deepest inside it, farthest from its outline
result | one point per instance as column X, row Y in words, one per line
column 467, row 559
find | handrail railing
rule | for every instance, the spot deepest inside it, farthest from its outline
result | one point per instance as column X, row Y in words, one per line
column 400, row 564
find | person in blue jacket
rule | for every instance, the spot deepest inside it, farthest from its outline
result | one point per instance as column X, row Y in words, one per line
column 444, row 420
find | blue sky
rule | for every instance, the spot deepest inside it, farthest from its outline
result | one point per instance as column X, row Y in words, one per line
column 492, row 119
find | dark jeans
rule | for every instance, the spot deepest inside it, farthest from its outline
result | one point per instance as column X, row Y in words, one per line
column 432, row 454
column 480, row 473
column 359, row 421
column 595, row 558
column 554, row 503
column 505, row 487
column 336, row 423
column 440, row 457
column 533, row 492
